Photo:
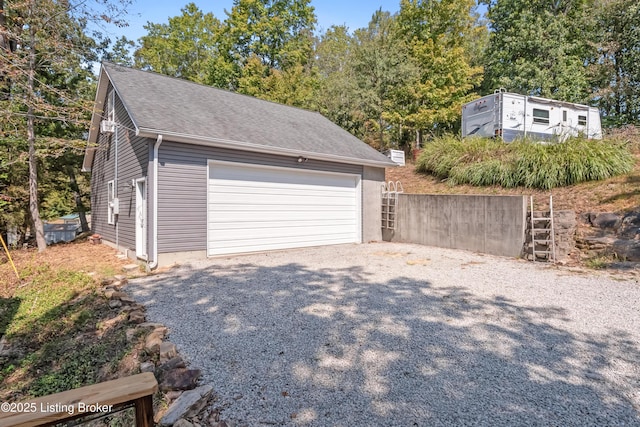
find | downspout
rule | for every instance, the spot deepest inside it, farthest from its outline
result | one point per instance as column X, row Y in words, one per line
column 153, row 264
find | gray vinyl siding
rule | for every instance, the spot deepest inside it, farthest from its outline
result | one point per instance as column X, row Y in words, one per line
column 133, row 159
column 182, row 189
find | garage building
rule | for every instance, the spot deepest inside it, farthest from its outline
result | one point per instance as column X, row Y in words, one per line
column 182, row 170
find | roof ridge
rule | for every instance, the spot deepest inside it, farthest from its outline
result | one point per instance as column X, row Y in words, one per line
column 186, row 81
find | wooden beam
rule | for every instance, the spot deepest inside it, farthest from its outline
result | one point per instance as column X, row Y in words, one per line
column 98, row 398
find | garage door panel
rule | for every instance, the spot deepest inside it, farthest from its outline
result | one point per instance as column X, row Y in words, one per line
column 256, row 225
column 249, row 217
column 257, row 219
column 248, row 175
column 289, row 232
column 264, row 188
column 248, row 245
column 275, row 209
column 284, row 200
column 253, row 208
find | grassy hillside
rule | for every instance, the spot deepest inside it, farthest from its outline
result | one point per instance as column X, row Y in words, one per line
column 524, row 163
column 617, row 194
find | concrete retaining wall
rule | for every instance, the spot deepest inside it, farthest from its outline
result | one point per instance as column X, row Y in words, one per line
column 488, row 224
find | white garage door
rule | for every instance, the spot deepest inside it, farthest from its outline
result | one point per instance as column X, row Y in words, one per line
column 254, row 208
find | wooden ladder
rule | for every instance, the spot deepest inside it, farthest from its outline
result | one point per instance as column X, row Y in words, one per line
column 390, row 193
column 543, row 241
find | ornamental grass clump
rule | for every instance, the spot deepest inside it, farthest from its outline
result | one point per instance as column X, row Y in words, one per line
column 524, row 162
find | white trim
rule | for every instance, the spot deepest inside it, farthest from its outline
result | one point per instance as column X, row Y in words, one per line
column 96, row 117
column 111, row 197
column 144, row 243
column 358, row 188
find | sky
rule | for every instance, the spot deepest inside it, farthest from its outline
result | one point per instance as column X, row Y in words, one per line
column 353, row 13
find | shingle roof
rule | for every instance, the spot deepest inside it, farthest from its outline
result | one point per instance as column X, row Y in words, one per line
column 165, row 105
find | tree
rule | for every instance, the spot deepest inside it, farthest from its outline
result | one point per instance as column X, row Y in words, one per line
column 616, row 68
column 265, row 46
column 182, row 48
column 540, row 48
column 337, row 94
column 438, row 34
column 44, row 53
column 382, row 72
column 120, row 52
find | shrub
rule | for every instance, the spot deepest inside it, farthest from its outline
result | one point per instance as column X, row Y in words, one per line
column 525, row 162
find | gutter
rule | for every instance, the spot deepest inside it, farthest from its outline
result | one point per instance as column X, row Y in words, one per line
column 247, row 146
column 156, row 147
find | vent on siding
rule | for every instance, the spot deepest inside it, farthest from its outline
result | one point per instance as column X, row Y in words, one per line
column 107, row 126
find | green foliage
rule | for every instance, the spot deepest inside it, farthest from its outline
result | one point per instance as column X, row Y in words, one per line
column 46, row 93
column 265, row 48
column 182, row 48
column 46, row 318
column 616, row 72
column 337, row 94
column 523, row 163
column 540, row 48
column 120, row 52
column 41, row 303
column 383, row 75
column 438, row 36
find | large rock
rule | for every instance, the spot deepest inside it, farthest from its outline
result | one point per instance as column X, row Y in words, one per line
column 137, row 316
column 153, row 342
column 180, row 379
column 627, row 250
column 189, row 404
column 175, row 363
column 607, row 220
column 147, row 367
column 168, row 351
column 630, row 228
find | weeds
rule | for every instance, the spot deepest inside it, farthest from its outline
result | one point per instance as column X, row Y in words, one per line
column 50, row 322
column 524, row 163
column 597, row 263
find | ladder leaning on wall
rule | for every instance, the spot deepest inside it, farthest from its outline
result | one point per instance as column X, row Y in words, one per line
column 390, row 193
column 543, row 241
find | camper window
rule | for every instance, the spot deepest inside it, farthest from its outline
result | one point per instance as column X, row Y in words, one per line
column 582, row 120
column 540, row 116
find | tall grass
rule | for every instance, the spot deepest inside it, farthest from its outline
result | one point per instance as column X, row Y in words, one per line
column 526, row 163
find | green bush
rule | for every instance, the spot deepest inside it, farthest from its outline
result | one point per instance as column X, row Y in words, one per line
column 526, row 163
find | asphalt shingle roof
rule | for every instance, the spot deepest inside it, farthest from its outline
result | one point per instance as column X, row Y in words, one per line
column 167, row 105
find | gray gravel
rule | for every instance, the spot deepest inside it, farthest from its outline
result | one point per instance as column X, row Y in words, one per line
column 405, row 335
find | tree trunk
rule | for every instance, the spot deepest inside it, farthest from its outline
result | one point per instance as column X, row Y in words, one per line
column 380, row 123
column 78, row 198
column 5, row 45
column 4, row 34
column 38, row 227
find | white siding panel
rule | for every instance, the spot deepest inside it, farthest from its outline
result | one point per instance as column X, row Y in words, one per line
column 254, row 208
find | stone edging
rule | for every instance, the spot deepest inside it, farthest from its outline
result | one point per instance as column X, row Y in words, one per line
column 188, row 403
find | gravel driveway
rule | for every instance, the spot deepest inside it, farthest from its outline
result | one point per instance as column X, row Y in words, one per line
column 404, row 335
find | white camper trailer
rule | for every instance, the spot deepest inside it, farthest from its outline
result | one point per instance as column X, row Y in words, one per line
column 510, row 116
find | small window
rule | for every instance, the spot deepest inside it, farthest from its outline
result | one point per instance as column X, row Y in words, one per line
column 111, row 195
column 111, row 106
column 540, row 116
column 582, row 120
column 564, row 116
